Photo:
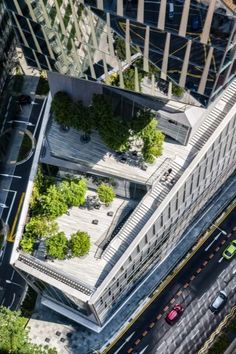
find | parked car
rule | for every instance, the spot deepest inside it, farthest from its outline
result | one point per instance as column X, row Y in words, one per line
column 24, row 99
column 173, row 316
column 230, row 251
column 218, row 302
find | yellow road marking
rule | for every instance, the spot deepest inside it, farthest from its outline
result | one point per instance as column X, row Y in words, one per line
column 10, row 237
column 172, row 275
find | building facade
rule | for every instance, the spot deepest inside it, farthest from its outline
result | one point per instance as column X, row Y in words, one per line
column 7, row 47
column 188, row 43
column 151, row 232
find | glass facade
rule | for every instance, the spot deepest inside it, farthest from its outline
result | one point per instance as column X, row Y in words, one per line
column 190, row 46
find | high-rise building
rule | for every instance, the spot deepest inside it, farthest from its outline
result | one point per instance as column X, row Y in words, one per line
column 7, row 46
column 185, row 179
column 136, row 45
column 189, row 43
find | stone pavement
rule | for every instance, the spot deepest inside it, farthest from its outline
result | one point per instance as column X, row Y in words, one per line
column 74, row 338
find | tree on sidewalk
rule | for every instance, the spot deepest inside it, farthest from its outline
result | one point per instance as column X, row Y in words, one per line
column 14, row 336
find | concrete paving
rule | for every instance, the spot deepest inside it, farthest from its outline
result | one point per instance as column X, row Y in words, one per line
column 45, row 323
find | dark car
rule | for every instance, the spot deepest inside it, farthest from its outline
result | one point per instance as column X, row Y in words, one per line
column 173, row 316
column 218, row 302
column 24, row 99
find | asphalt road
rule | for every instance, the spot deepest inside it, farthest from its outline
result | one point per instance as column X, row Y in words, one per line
column 189, row 284
column 12, row 291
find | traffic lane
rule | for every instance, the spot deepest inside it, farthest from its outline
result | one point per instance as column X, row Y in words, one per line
column 195, row 288
column 182, row 279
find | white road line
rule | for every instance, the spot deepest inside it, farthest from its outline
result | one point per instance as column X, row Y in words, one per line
column 6, row 175
column 143, row 350
column 39, row 117
column 13, row 299
column 215, row 238
column 197, row 332
column 126, row 341
column 10, row 209
column 220, row 260
column 9, row 102
column 3, row 301
column 12, row 275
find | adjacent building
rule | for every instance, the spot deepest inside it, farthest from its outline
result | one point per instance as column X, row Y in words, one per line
column 7, row 46
column 188, row 43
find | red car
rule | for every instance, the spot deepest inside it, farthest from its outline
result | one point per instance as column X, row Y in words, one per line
column 174, row 314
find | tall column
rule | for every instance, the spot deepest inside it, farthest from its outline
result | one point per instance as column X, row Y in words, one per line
column 204, row 77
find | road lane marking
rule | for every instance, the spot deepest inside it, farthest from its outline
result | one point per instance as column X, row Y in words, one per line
column 211, row 255
column 126, row 341
column 10, row 209
column 199, row 270
column 159, row 316
column 205, row 263
column 145, row 333
column 13, row 299
column 130, row 350
column 166, row 308
column 192, row 277
column 10, row 237
column 137, row 341
column 186, row 285
column 220, row 260
column 172, row 300
column 213, row 241
column 143, row 350
column 217, row 248
column 179, row 292
column 152, row 324
column 223, row 241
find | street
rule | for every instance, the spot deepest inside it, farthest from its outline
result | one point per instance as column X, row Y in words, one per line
column 14, row 180
column 151, row 334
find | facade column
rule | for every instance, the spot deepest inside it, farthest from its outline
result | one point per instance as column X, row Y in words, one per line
column 164, row 66
column 184, row 70
column 204, row 77
column 208, row 20
column 184, row 19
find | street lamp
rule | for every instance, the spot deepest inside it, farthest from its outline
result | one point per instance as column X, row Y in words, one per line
column 223, row 232
column 3, row 205
column 12, row 282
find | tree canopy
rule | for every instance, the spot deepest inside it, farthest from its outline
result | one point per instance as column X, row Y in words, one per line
column 61, row 107
column 52, row 203
column 14, row 337
column 73, row 191
column 79, row 244
column 106, row 193
column 57, row 245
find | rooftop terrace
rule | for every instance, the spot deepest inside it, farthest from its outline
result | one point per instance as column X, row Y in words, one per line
column 87, row 272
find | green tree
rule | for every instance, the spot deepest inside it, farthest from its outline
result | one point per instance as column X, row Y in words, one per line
column 106, row 193
column 14, row 337
column 52, row 204
column 27, row 243
column 81, row 118
column 177, row 90
column 79, row 244
column 39, row 227
column 62, row 108
column 73, row 191
column 143, row 117
column 153, row 141
column 57, row 245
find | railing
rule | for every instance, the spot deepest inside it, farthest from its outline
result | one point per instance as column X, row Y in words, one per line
column 37, row 265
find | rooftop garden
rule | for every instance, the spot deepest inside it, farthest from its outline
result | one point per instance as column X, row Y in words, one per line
column 116, row 132
column 50, row 200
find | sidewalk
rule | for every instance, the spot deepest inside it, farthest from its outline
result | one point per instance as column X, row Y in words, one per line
column 47, row 327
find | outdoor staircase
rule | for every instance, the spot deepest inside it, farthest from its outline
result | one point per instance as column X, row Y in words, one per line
column 215, row 117
column 142, row 213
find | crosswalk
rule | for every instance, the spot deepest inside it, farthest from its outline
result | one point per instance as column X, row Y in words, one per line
column 215, row 117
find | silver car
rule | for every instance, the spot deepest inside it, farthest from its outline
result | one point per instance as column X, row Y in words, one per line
column 218, row 302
